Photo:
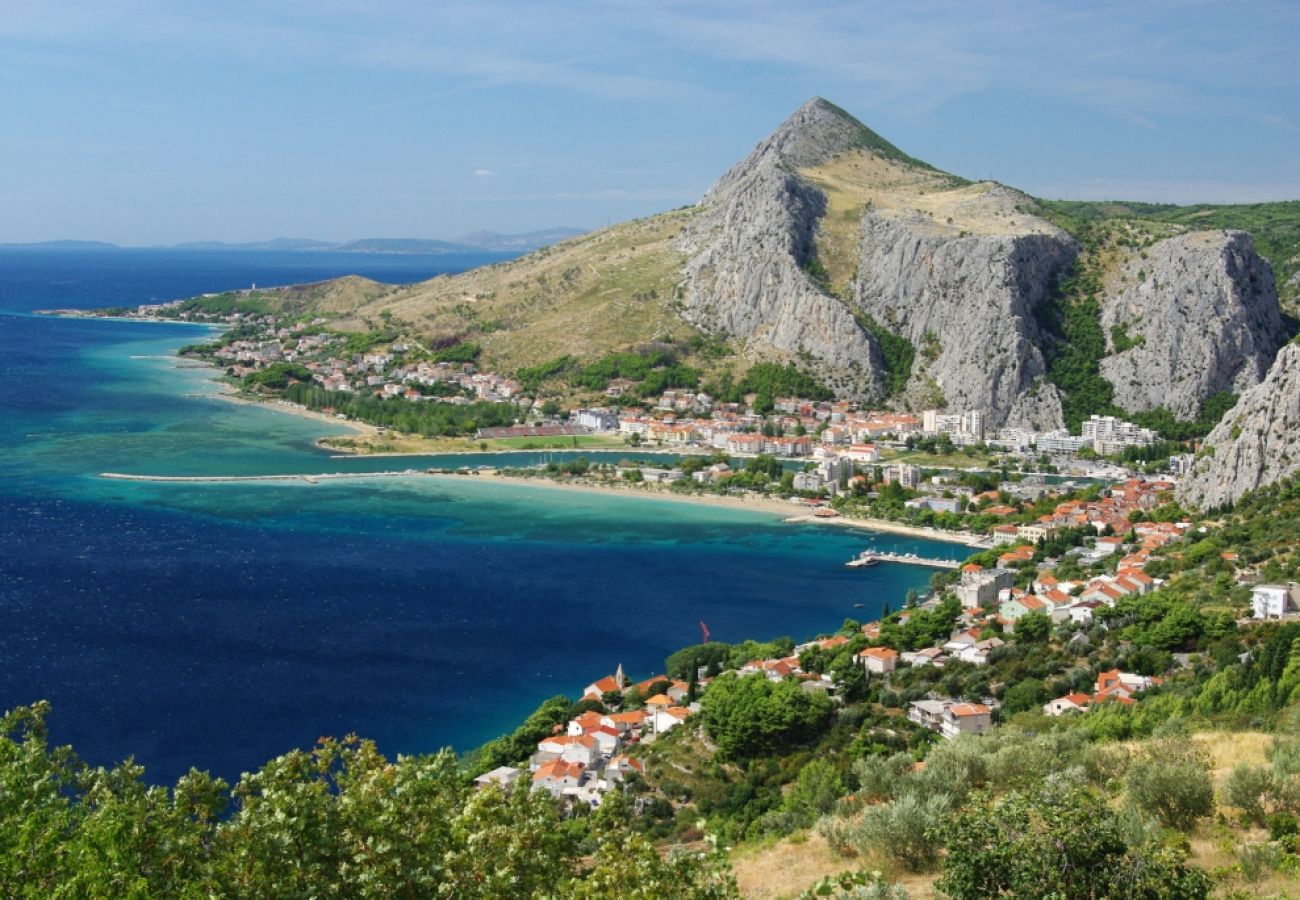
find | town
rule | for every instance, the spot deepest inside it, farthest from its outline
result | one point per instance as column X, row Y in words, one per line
column 269, row 352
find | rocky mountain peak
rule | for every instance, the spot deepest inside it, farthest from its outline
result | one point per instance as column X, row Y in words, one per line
column 815, row 133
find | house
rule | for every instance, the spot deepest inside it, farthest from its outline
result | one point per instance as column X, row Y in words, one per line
column 1122, row 684
column 1108, row 545
column 1036, row 531
column 1016, row 607
column 1081, row 613
column 678, row 691
column 609, row 684
column 1274, row 601
column 620, row 767
column 503, row 777
column 930, row 656
column 863, row 453
column 667, row 719
column 658, row 702
column 980, row 587
column 977, row 654
column 576, row 748
column 1102, row 592
column 927, row 713
column 605, row 741
column 1070, row 703
column 559, row 778
column 966, row 718
column 585, row 723
column 878, row 660
column 951, row 718
column 961, row 640
column 1004, row 534
column 624, row 722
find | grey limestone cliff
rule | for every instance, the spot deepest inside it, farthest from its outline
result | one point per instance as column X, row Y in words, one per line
column 1196, row 315
column 747, row 249
column 1256, row 444
column 964, row 294
column 960, row 271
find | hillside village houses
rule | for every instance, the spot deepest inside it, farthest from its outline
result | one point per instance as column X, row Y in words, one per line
column 678, row 417
column 597, row 751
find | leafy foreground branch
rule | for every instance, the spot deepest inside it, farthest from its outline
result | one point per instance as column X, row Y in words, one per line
column 339, row 821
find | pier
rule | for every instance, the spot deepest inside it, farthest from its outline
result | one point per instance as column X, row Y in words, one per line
column 871, row 557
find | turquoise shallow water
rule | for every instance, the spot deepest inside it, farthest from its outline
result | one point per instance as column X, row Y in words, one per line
column 218, row 624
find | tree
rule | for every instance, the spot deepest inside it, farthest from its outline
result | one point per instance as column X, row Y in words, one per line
column 1026, row 695
column 906, row 829
column 683, row 664
column 1172, row 782
column 752, row 716
column 1033, row 628
column 340, row 820
column 1057, row 842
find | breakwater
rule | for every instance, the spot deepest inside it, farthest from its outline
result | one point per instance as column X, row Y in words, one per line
column 311, row 478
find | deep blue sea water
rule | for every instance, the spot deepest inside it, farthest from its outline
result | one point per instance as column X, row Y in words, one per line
column 217, row 625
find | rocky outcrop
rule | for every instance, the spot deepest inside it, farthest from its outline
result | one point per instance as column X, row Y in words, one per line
column 747, row 249
column 966, row 302
column 1256, row 444
column 1196, row 315
column 959, row 270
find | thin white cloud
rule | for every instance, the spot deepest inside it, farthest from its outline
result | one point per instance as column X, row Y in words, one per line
column 1140, row 62
column 484, row 173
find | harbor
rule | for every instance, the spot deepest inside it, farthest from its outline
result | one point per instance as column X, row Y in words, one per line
column 869, row 558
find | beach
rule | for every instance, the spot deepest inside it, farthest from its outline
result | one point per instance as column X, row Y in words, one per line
column 791, row 511
column 227, row 393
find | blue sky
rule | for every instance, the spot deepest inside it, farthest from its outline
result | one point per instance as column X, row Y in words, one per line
column 144, row 121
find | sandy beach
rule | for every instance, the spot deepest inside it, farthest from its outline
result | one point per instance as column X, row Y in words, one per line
column 790, row 512
column 227, row 393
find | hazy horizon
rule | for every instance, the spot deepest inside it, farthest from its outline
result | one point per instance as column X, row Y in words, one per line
column 153, row 123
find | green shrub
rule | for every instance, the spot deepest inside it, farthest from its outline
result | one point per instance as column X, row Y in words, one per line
column 906, row 830
column 1173, row 784
column 1248, row 788
column 880, row 777
column 1057, row 843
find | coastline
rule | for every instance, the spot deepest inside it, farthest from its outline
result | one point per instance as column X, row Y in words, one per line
column 792, row 513
column 83, row 314
column 227, row 394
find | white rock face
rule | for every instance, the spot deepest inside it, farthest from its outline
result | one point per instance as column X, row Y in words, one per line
column 1256, row 444
column 1205, row 315
column 972, row 297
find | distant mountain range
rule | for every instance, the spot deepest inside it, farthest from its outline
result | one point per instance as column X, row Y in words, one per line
column 474, row 242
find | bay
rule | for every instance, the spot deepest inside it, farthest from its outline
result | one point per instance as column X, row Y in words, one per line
column 216, row 625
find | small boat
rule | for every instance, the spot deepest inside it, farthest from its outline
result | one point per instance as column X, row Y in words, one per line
column 865, row 558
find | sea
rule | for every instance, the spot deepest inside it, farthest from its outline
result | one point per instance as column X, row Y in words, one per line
column 217, row 625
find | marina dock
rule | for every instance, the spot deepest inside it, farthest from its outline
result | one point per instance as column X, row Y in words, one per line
column 870, row 558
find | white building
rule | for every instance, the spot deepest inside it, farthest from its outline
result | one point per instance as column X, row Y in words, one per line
column 907, row 475
column 597, row 419
column 1273, row 601
column 1108, row 434
column 1060, row 441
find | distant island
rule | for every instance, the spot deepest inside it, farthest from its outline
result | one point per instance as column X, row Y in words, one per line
column 472, row 242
